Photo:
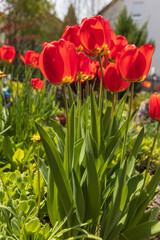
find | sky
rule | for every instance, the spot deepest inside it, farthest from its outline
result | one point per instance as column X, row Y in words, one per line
column 62, row 7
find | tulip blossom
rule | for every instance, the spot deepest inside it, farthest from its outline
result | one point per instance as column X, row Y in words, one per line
column 146, row 84
column 37, row 83
column 154, row 106
column 72, row 34
column 120, row 43
column 7, row 53
column 134, row 63
column 112, row 81
column 83, row 68
column 158, row 87
column 58, row 62
column 30, row 58
column 94, row 65
column 95, row 35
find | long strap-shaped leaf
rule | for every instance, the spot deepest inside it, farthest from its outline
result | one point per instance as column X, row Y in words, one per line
column 57, row 169
column 93, row 192
column 141, row 231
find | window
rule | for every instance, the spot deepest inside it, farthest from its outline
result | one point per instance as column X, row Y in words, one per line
column 137, row 10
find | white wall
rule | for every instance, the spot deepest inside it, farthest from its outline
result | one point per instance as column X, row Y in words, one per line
column 150, row 13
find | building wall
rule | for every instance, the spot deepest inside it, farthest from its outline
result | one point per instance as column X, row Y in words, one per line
column 112, row 12
column 150, row 13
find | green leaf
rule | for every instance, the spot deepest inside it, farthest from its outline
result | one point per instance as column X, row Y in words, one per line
column 56, row 167
column 111, row 220
column 110, row 148
column 15, row 226
column 59, row 130
column 52, row 199
column 93, row 192
column 95, row 120
column 43, row 169
column 33, row 225
column 134, row 153
column 70, row 94
column 18, row 155
column 78, row 197
column 141, row 231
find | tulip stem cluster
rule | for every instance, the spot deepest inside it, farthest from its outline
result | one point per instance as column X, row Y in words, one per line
column 128, row 121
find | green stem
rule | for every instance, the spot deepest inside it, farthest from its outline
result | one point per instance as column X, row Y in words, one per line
column 67, row 125
column 149, row 160
column 39, row 187
column 101, row 87
column 87, row 88
column 112, row 113
column 128, row 121
column 79, row 110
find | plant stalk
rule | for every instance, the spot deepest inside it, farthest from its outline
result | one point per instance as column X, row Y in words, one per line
column 39, row 187
column 112, row 113
column 101, row 87
column 67, row 126
column 79, row 109
column 127, row 127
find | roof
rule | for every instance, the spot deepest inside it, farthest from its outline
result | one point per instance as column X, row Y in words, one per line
column 107, row 6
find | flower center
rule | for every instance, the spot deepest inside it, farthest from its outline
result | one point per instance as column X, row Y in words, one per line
column 67, row 80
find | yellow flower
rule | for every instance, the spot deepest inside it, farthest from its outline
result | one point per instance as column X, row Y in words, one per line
column 36, row 137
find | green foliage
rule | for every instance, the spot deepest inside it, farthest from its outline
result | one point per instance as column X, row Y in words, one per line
column 97, row 187
column 126, row 27
column 70, row 18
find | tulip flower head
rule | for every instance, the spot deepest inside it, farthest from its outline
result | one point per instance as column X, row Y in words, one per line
column 158, row 87
column 154, row 106
column 146, row 84
column 112, row 81
column 58, row 62
column 30, row 58
column 134, row 63
column 72, row 34
column 7, row 53
column 95, row 35
column 120, row 43
column 83, row 70
column 37, row 83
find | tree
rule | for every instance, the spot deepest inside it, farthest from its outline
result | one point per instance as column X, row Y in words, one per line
column 29, row 23
column 128, row 28
column 70, row 18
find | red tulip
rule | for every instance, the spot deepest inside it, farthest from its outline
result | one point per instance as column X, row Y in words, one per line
column 134, row 63
column 154, row 106
column 120, row 43
column 112, row 81
column 158, row 87
column 146, row 84
column 30, row 58
column 58, row 62
column 94, row 65
column 7, row 53
column 72, row 34
column 83, row 68
column 37, row 83
column 95, row 35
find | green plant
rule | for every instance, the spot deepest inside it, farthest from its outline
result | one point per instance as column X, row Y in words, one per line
column 81, row 183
